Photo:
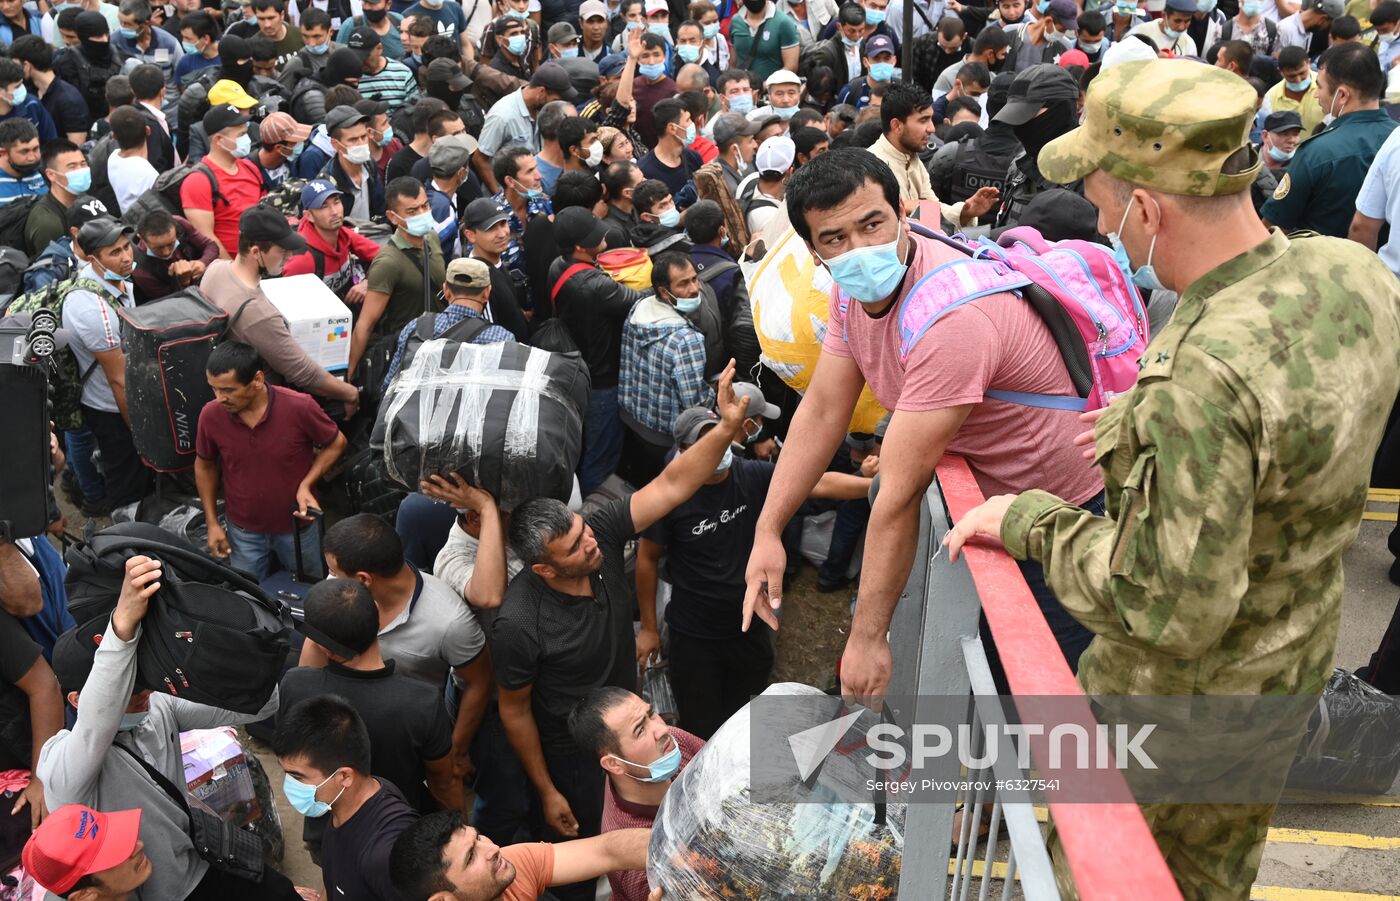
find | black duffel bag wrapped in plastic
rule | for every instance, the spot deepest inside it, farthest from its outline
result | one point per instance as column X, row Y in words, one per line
column 1353, row 741
column 508, row 417
column 167, row 343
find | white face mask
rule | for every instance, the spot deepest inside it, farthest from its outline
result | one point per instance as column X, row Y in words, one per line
column 358, row 154
column 595, row 154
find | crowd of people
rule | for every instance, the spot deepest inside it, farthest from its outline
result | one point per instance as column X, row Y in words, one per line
column 464, row 719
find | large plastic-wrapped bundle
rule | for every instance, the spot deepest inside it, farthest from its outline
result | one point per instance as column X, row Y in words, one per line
column 711, row 840
column 791, row 296
column 1353, row 741
column 508, row 417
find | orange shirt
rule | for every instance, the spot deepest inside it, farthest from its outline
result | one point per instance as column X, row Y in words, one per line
column 534, row 868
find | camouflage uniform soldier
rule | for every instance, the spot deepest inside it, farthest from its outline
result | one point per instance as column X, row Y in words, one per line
column 1236, row 470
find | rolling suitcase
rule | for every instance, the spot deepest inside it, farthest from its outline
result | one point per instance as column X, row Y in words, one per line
column 291, row 587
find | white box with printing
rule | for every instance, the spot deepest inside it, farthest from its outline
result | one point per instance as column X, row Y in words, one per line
column 319, row 321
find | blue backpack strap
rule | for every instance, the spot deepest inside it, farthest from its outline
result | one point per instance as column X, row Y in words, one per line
column 1044, row 401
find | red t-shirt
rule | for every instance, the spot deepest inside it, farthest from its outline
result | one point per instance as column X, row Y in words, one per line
column 997, row 341
column 261, row 467
column 241, row 189
column 534, row 867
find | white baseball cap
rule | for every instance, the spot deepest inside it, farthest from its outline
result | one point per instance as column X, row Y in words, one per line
column 657, row 6
column 785, row 76
column 775, row 154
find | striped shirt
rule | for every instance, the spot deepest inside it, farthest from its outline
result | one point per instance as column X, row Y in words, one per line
column 12, row 188
column 395, row 85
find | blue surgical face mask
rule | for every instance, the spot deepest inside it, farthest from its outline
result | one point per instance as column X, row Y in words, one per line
column 785, row 112
column 869, row 274
column 79, row 180
column 521, row 14
column 319, row 49
column 516, row 44
column 1043, row 7
column 132, row 721
column 111, row 276
column 21, row 95
column 1171, row 33
column 741, row 103
column 724, row 463
column 669, row 218
column 296, row 151
column 189, row 48
column 1281, row 156
column 652, row 70
column 688, row 53
column 690, row 134
column 174, row 247
column 688, row 304
column 665, row 766
column 569, row 53
column 1252, row 8
column 874, row 16
column 1090, row 46
column 1299, row 86
column 1125, row 9
column 660, row 29
column 1206, row 6
column 242, row 147
column 882, row 71
column 634, row 26
column 128, row 33
column 302, row 797
column 386, row 139
column 532, row 193
column 1145, row 276
column 710, row 31
column 420, row 225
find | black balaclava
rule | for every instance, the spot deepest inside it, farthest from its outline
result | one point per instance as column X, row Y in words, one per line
column 1059, row 117
column 232, row 48
column 88, row 25
column 342, row 64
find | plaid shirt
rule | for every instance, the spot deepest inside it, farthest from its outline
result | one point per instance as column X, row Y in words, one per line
column 536, row 206
column 661, row 376
column 455, row 313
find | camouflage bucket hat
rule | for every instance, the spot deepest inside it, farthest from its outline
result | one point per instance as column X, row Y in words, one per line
column 1168, row 124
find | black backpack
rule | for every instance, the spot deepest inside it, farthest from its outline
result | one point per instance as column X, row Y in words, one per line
column 740, row 338
column 164, row 194
column 13, row 216
column 210, row 636
column 975, row 168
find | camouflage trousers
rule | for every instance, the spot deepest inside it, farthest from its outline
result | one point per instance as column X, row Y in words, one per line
column 1212, row 850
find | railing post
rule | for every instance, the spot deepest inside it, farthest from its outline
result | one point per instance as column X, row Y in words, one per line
column 926, row 635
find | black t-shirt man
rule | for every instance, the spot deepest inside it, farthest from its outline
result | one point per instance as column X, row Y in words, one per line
column 564, row 645
column 406, row 718
column 17, row 654
column 401, row 163
column 66, row 105
column 675, row 177
column 708, row 539
column 355, row 854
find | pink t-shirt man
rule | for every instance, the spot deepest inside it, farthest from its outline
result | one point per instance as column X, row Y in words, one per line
column 997, row 341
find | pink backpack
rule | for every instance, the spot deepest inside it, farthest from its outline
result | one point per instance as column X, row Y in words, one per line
column 1093, row 311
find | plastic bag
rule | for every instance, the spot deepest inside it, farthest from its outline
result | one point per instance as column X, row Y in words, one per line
column 1353, row 741
column 710, row 841
column 508, row 417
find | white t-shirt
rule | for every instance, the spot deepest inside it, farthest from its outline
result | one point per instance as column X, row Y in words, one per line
column 1379, row 197
column 130, row 177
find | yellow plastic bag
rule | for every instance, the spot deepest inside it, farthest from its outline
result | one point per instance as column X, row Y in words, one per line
column 790, row 296
column 628, row 265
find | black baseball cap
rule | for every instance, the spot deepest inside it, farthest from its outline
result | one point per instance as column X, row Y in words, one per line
column 262, row 224
column 225, row 115
column 484, row 213
column 1060, row 215
column 83, row 210
column 577, row 227
column 1286, row 120
column 1034, row 89
column 554, row 78
column 74, row 651
column 344, row 117
column 102, row 232
column 362, row 40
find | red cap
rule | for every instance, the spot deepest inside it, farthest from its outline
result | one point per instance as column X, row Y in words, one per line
column 76, row 841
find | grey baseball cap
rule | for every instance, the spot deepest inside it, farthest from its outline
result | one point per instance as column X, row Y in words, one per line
column 732, row 125
column 758, row 404
column 692, row 423
column 450, row 153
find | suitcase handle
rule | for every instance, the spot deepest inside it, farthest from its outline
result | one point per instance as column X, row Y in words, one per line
column 315, row 522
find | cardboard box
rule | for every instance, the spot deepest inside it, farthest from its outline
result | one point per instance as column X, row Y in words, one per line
column 318, row 320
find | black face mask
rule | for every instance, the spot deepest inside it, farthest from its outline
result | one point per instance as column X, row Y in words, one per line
column 375, row 16
column 1057, row 119
column 25, row 170
column 95, row 51
column 241, row 73
column 755, row 6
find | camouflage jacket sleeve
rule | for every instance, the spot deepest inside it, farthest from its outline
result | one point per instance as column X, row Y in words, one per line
column 1166, row 569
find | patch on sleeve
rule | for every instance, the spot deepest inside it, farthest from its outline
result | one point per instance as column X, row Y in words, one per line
column 1282, row 190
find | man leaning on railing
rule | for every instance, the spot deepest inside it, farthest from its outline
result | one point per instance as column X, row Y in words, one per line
column 1236, row 470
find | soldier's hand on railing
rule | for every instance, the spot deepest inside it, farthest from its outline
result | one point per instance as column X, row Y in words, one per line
column 865, row 670
column 763, row 588
column 982, row 521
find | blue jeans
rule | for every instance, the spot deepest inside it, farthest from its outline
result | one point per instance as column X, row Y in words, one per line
column 79, row 445
column 423, row 525
column 602, row 440
column 252, row 552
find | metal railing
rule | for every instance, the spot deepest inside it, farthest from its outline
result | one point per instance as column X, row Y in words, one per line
column 1107, row 847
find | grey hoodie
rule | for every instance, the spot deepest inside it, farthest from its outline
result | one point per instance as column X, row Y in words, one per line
column 80, row 766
